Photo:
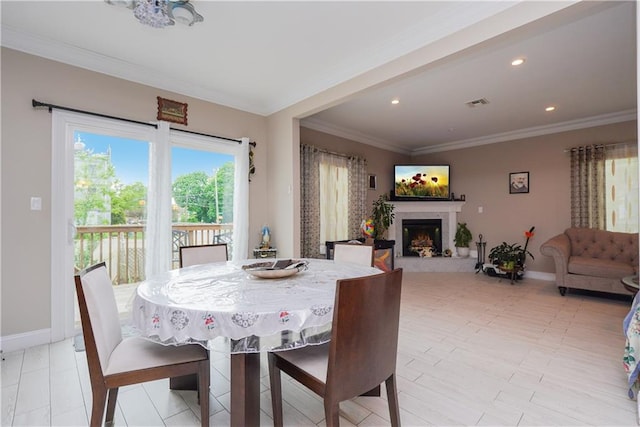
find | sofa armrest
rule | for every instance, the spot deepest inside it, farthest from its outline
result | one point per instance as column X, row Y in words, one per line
column 558, row 247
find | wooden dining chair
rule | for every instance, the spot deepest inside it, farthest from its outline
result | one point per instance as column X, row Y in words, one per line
column 361, row 354
column 203, row 254
column 115, row 361
column 355, row 253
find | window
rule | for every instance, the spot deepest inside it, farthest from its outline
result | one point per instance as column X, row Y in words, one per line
column 621, row 184
column 333, row 197
column 604, row 187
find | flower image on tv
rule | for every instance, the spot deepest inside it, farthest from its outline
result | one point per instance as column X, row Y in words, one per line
column 422, row 181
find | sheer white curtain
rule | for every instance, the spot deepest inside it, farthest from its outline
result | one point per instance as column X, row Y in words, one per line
column 621, row 180
column 159, row 241
column 241, row 201
column 158, row 231
column 334, row 196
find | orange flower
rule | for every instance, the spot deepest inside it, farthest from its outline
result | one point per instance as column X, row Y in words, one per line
column 528, row 234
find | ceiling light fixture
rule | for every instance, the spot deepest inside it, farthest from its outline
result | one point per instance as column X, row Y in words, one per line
column 161, row 13
column 395, row 101
column 550, row 108
column 517, row 61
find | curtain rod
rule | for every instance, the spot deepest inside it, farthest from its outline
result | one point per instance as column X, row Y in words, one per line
column 36, row 104
column 612, row 144
column 333, row 153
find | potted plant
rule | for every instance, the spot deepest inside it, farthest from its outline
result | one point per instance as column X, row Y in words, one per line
column 382, row 216
column 510, row 257
column 462, row 239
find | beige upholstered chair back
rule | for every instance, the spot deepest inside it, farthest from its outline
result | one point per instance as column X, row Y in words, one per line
column 102, row 309
column 194, row 255
column 353, row 253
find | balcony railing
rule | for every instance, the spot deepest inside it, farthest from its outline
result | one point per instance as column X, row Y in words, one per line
column 122, row 247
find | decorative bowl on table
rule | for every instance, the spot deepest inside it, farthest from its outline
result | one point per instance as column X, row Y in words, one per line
column 277, row 269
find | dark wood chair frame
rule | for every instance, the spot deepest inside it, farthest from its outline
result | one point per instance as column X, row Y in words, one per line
column 104, row 388
column 362, row 352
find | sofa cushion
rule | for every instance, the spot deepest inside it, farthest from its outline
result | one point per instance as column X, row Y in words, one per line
column 588, row 266
column 604, row 245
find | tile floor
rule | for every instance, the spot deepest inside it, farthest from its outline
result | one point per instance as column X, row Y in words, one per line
column 474, row 350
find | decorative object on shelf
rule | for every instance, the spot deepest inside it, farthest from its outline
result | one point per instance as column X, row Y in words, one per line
column 518, row 182
column 447, row 253
column 266, row 238
column 462, row 197
column 366, row 227
column 382, row 216
column 172, row 111
column 161, row 13
column 462, row 239
column 265, row 253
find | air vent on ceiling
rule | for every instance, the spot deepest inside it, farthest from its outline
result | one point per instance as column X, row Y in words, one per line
column 477, row 102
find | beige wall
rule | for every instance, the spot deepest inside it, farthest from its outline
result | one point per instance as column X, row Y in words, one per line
column 26, row 166
column 481, row 173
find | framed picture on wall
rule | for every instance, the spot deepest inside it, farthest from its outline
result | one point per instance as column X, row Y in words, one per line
column 518, row 182
column 172, row 111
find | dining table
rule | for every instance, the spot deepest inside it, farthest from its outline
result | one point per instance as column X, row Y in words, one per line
column 227, row 305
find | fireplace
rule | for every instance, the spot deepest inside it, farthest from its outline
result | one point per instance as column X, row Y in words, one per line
column 421, row 234
column 445, row 211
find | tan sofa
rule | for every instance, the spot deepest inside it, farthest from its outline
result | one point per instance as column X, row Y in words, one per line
column 592, row 259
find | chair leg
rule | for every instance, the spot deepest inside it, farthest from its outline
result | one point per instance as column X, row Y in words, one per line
column 392, row 397
column 111, row 405
column 276, row 391
column 204, row 379
column 99, row 396
column 331, row 413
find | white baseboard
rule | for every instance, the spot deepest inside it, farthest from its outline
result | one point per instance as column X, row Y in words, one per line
column 21, row 341
column 540, row 275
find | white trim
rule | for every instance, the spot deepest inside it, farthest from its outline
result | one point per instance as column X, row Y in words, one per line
column 587, row 122
column 540, row 275
column 63, row 125
column 17, row 342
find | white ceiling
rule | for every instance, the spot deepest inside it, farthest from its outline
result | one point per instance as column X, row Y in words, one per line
column 262, row 57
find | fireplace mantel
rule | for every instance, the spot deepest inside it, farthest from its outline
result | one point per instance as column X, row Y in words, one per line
column 447, row 211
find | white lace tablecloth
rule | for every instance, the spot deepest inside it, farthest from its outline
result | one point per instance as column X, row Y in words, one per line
column 220, row 300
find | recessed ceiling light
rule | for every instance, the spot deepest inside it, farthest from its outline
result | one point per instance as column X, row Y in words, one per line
column 550, row 108
column 395, row 101
column 517, row 61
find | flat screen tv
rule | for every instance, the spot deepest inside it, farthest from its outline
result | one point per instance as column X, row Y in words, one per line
column 421, row 182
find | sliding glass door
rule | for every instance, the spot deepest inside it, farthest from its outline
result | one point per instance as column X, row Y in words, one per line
column 130, row 195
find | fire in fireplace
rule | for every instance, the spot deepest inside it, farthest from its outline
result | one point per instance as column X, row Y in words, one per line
column 420, row 234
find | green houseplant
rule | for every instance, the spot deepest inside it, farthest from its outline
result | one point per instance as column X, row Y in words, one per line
column 462, row 239
column 382, row 216
column 511, row 256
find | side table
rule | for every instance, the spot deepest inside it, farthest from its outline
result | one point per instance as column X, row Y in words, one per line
column 265, row 253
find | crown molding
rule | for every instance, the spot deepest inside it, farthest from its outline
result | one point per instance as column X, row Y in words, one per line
column 342, row 132
column 82, row 58
column 587, row 122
